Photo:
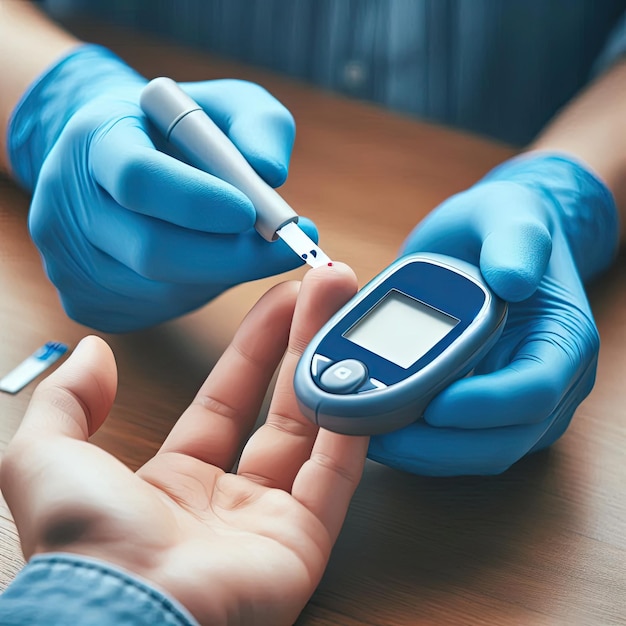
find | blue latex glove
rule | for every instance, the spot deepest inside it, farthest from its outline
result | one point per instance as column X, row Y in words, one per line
column 130, row 235
column 537, row 226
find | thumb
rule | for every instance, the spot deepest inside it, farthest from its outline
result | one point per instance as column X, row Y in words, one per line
column 501, row 226
column 514, row 258
column 75, row 399
column 516, row 240
column 42, row 477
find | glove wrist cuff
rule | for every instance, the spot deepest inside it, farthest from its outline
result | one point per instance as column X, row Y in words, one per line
column 583, row 205
column 85, row 72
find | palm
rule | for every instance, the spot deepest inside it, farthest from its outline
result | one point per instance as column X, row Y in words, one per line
column 272, row 543
column 193, row 518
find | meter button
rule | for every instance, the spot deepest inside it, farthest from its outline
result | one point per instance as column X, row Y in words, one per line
column 344, row 376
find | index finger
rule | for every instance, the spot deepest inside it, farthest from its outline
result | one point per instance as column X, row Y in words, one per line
column 278, row 450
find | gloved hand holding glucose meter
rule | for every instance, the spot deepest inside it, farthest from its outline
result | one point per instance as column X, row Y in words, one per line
column 422, row 323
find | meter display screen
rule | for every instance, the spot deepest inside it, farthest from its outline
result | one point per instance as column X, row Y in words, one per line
column 400, row 329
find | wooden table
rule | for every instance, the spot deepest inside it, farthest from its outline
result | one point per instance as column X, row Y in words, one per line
column 545, row 543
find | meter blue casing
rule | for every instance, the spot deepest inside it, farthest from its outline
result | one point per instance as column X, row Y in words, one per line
column 344, row 387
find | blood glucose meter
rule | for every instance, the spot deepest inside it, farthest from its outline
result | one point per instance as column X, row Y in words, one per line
column 421, row 324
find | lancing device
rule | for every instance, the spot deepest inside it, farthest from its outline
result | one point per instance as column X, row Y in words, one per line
column 183, row 122
column 421, row 324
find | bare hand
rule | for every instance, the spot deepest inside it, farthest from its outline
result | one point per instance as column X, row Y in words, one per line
column 244, row 547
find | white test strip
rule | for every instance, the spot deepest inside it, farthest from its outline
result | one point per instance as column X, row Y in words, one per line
column 32, row 366
column 303, row 245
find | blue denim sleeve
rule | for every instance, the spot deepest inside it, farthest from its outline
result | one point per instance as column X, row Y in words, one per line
column 61, row 589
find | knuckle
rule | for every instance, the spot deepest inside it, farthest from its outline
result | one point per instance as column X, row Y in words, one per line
column 41, row 218
column 215, row 406
column 130, row 178
column 80, row 126
column 144, row 256
column 334, row 466
column 298, row 428
column 38, row 226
